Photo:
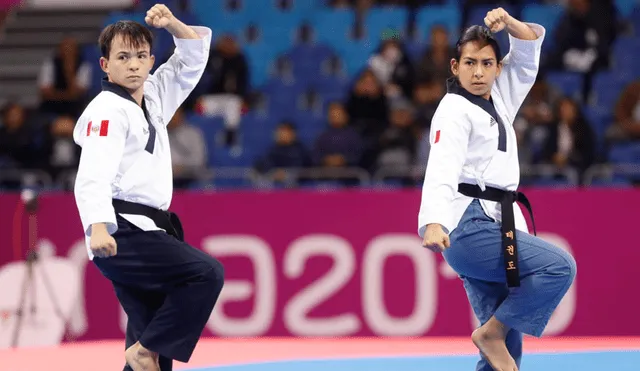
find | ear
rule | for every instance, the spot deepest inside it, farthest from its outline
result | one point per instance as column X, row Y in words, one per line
column 454, row 67
column 153, row 61
column 104, row 65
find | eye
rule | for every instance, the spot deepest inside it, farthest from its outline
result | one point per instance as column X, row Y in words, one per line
column 122, row 57
column 488, row 64
column 469, row 63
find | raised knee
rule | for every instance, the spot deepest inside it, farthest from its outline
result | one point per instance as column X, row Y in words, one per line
column 215, row 275
column 566, row 267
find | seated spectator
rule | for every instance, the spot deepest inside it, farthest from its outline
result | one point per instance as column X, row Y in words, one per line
column 188, row 150
column 63, row 153
column 339, row 145
column 397, row 145
column 534, row 120
column 367, row 106
column 627, row 115
column 435, row 63
column 22, row 139
column 286, row 152
column 64, row 80
column 426, row 97
column 393, row 68
column 583, row 39
column 571, row 140
column 228, row 87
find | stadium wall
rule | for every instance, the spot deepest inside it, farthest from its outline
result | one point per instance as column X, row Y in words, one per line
column 308, row 263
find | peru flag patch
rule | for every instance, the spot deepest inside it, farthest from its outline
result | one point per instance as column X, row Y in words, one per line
column 437, row 137
column 101, row 129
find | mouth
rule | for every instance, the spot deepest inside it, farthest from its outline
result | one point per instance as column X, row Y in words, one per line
column 478, row 83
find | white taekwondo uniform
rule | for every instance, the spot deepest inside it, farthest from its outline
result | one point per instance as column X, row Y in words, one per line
column 471, row 144
column 125, row 147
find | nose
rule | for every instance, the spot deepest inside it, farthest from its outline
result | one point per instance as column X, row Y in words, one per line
column 134, row 64
column 478, row 72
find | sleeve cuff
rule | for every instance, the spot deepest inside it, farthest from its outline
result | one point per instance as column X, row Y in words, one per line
column 528, row 46
column 109, row 220
column 194, row 51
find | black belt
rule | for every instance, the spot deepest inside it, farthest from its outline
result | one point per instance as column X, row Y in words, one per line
column 509, row 242
column 166, row 220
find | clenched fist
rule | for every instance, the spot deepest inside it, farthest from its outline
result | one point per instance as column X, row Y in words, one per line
column 159, row 16
column 102, row 245
column 435, row 239
column 497, row 19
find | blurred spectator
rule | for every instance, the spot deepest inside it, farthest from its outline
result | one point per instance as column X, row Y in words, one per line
column 286, row 152
column 22, row 139
column 534, row 120
column 627, row 115
column 426, row 97
column 583, row 38
column 63, row 153
column 339, row 145
column 64, row 80
column 228, row 88
column 188, row 150
column 571, row 141
column 393, row 68
column 397, row 145
column 367, row 105
column 435, row 63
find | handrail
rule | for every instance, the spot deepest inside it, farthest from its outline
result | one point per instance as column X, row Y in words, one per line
column 607, row 171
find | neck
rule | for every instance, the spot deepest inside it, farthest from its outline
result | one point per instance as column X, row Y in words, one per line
column 137, row 95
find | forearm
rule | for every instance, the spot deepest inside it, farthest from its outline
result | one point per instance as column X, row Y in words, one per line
column 181, row 30
column 520, row 30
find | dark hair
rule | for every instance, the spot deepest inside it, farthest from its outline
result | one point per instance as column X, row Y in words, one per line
column 482, row 36
column 132, row 32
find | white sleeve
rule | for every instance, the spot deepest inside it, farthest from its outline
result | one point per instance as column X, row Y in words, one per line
column 519, row 70
column 449, row 138
column 45, row 78
column 102, row 137
column 174, row 80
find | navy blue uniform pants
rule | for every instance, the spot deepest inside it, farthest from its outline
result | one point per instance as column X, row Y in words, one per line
column 167, row 288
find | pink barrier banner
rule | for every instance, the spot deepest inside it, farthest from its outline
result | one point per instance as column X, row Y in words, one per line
column 300, row 263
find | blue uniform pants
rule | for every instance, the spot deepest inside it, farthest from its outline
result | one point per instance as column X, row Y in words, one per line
column 546, row 273
column 167, row 288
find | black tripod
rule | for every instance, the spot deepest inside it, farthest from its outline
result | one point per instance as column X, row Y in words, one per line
column 29, row 285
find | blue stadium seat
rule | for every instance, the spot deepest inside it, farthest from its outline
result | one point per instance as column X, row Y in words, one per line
column 114, row 17
column 260, row 57
column 600, row 118
column 429, row 16
column 568, row 83
column 625, row 7
column 333, row 26
column 545, row 15
column 628, row 153
column 307, row 60
column 378, row 20
column 623, row 60
column 607, row 87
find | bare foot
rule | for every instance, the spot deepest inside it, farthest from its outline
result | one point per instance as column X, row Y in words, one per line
column 493, row 348
column 141, row 359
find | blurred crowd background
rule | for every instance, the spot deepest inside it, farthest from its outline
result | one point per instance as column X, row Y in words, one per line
column 314, row 93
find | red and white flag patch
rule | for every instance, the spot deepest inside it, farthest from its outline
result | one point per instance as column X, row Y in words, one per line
column 101, row 129
column 437, row 137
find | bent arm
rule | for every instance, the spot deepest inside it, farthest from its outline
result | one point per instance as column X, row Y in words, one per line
column 174, row 80
column 449, row 140
column 520, row 66
column 102, row 138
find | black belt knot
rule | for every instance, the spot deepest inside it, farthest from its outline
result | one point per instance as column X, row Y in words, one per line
column 508, row 227
column 166, row 220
